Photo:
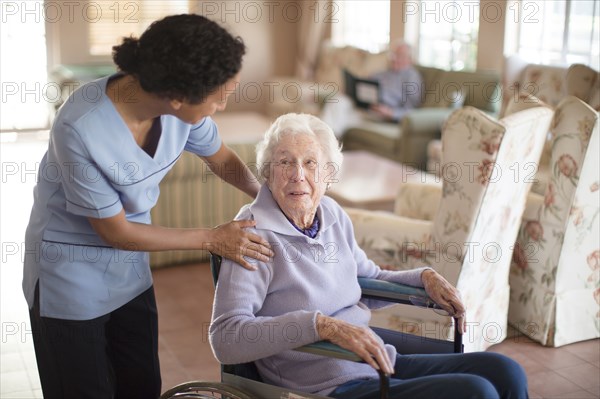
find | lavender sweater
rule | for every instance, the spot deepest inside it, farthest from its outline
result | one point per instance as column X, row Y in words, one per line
column 262, row 315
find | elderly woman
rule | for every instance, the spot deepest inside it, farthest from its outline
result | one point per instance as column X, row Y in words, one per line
column 309, row 290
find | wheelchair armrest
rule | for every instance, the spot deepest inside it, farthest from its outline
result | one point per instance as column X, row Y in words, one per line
column 394, row 292
column 373, row 289
column 405, row 294
column 325, row 348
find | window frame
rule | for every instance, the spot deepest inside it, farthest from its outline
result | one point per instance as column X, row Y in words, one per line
column 338, row 30
column 523, row 11
column 414, row 26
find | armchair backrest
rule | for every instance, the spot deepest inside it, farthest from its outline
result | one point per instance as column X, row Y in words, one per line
column 572, row 128
column 470, row 141
column 583, row 82
column 554, row 271
column 545, row 82
column 487, row 171
column 509, row 183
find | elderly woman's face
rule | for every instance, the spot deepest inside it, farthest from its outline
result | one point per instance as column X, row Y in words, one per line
column 295, row 181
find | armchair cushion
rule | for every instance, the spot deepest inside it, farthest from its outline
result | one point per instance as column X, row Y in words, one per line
column 418, row 200
column 386, row 237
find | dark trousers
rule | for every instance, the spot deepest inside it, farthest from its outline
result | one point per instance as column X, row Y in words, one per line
column 112, row 356
column 481, row 375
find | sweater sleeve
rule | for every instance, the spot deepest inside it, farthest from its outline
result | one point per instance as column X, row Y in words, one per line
column 236, row 334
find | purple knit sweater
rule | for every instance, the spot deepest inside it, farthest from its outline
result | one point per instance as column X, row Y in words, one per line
column 262, row 315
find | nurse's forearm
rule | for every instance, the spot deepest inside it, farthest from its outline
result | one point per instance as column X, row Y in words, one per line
column 231, row 240
column 228, row 166
column 120, row 233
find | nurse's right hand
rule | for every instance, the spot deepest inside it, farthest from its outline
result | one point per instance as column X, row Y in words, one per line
column 232, row 240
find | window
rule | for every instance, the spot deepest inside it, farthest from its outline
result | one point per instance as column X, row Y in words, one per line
column 361, row 23
column 109, row 21
column 444, row 32
column 558, row 32
column 26, row 95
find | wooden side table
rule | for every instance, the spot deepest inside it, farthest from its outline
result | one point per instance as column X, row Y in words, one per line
column 368, row 181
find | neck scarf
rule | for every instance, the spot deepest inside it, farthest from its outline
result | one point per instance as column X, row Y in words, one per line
column 311, row 231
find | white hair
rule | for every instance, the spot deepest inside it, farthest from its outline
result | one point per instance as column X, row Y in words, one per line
column 397, row 43
column 296, row 124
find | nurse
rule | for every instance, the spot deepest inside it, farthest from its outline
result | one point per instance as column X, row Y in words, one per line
column 87, row 279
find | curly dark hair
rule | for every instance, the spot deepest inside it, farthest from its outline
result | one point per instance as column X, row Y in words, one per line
column 181, row 57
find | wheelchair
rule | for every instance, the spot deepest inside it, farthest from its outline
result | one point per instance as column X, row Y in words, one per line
column 242, row 381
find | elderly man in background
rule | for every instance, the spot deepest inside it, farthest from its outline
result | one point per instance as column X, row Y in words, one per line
column 310, row 292
column 400, row 91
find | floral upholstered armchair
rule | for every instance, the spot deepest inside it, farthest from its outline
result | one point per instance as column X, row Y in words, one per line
column 421, row 200
column 555, row 272
column 474, row 228
column 549, row 84
column 554, row 279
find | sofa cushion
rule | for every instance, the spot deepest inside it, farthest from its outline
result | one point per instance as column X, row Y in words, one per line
column 374, row 63
column 373, row 136
column 478, row 89
column 431, row 90
column 332, row 60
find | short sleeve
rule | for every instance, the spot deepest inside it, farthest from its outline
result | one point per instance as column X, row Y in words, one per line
column 88, row 191
column 204, row 139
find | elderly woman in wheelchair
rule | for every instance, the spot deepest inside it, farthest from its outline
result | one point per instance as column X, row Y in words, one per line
column 309, row 291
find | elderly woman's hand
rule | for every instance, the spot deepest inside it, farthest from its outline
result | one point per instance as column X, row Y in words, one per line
column 232, row 241
column 446, row 295
column 360, row 340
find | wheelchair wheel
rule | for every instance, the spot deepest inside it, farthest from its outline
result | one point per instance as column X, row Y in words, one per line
column 204, row 390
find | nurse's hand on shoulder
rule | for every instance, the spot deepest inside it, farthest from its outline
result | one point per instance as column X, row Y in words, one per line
column 232, row 241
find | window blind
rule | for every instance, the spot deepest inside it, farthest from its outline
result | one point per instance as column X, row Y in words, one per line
column 110, row 21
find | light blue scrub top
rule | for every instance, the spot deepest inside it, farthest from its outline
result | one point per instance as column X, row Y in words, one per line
column 94, row 168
